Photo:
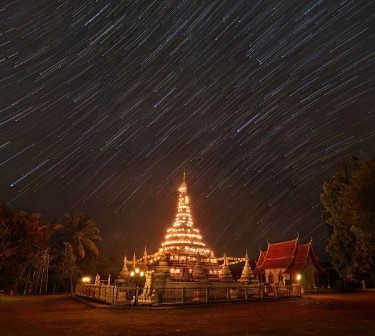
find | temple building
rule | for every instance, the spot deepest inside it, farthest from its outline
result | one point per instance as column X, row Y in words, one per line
column 183, row 255
column 184, row 266
column 288, row 263
column 184, row 259
column 183, row 244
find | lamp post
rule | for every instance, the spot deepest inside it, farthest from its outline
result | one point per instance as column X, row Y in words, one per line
column 299, row 277
column 86, row 280
column 137, row 275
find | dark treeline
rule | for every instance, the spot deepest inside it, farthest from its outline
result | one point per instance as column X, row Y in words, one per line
column 38, row 256
column 348, row 199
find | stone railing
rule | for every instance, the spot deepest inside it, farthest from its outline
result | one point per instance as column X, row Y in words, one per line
column 127, row 295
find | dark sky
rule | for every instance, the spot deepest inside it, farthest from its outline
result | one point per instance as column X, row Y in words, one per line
column 103, row 104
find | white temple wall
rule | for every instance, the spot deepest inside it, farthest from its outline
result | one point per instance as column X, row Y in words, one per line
column 272, row 275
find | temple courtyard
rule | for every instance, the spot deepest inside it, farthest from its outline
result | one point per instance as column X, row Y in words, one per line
column 321, row 314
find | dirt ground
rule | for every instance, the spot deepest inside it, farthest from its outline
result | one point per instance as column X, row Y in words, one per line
column 324, row 314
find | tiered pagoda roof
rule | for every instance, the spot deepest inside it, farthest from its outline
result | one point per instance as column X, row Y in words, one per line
column 277, row 255
column 286, row 255
column 183, row 252
column 183, row 237
column 304, row 252
column 183, row 246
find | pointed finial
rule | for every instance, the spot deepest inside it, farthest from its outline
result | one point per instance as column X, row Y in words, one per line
column 225, row 259
column 297, row 235
column 134, row 260
column 246, row 255
column 311, row 239
column 183, row 186
column 145, row 251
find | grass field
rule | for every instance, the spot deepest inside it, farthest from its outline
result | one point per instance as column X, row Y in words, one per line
column 324, row 314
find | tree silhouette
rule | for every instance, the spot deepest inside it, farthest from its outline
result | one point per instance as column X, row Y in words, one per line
column 349, row 203
column 81, row 232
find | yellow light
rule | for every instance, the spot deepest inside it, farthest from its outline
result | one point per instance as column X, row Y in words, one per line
column 132, row 273
column 142, row 274
column 137, row 270
column 299, row 277
column 86, row 279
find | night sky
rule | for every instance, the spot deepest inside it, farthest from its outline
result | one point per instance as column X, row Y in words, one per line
column 103, row 104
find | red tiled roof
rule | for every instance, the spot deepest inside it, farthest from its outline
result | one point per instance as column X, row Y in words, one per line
column 300, row 259
column 314, row 260
column 281, row 250
column 286, row 255
column 278, row 255
column 276, row 263
column 260, row 261
column 262, row 254
column 303, row 253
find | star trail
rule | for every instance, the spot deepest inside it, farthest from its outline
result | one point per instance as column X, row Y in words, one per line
column 105, row 103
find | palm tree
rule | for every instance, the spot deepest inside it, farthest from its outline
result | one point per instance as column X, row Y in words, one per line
column 82, row 232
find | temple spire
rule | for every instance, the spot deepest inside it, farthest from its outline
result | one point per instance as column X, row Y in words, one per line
column 183, row 236
column 225, row 273
column 225, row 259
column 134, row 261
column 183, row 187
column 247, row 275
column 124, row 274
column 145, row 254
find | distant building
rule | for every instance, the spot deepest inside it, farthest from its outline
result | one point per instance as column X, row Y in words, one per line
column 288, row 263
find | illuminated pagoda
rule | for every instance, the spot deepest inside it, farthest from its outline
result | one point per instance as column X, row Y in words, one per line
column 183, row 259
column 183, row 245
